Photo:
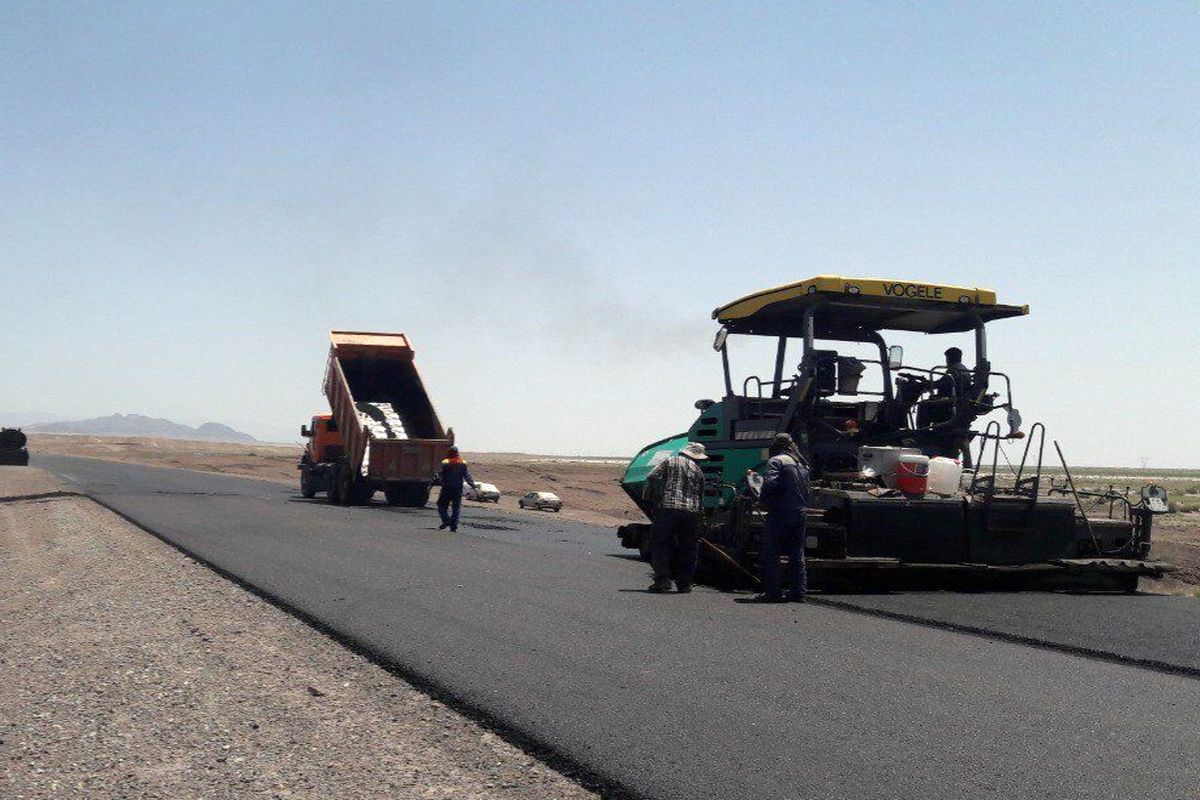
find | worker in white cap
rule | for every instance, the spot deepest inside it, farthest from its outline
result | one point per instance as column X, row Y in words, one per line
column 677, row 488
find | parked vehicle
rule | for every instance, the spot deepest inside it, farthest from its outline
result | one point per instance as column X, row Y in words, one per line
column 12, row 448
column 541, row 501
column 483, row 492
column 383, row 433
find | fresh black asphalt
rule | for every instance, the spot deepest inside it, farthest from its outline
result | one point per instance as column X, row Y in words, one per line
column 541, row 624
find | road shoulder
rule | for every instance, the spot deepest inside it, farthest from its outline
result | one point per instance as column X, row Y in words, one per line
column 132, row 670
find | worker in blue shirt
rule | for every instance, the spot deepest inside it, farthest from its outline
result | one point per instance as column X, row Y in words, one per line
column 785, row 495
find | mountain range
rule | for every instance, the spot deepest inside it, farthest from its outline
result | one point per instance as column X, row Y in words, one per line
column 139, row 425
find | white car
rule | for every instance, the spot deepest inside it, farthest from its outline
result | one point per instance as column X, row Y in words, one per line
column 541, row 501
column 483, row 492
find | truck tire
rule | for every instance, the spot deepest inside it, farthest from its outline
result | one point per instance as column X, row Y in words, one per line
column 331, row 494
column 409, row 496
column 307, row 490
column 362, row 492
column 417, row 497
column 344, row 480
column 14, row 458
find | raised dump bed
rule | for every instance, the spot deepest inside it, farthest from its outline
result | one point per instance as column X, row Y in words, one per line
column 383, row 433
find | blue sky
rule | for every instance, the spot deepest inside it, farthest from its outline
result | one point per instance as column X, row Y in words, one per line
column 551, row 198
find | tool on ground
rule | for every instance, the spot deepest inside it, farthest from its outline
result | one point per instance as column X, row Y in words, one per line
column 728, row 559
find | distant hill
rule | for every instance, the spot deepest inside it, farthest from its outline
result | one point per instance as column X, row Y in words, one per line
column 138, row 425
column 23, row 419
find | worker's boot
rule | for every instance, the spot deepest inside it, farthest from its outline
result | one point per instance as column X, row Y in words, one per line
column 767, row 598
column 683, row 587
column 660, row 586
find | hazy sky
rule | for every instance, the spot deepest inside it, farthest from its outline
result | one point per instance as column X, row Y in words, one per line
column 551, row 199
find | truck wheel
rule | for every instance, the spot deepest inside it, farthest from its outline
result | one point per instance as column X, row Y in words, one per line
column 417, row 497
column 395, row 497
column 345, row 485
column 644, row 547
column 307, row 489
column 362, row 492
column 331, row 494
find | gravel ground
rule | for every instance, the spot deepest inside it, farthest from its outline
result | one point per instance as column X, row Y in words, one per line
column 130, row 671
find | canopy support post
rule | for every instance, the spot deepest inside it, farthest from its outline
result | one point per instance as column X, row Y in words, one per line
column 780, row 354
column 980, row 342
column 725, row 365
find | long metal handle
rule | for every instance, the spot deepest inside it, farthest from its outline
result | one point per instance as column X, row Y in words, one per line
column 1078, row 503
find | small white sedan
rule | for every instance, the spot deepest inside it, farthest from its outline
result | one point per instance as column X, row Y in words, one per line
column 483, row 492
column 541, row 501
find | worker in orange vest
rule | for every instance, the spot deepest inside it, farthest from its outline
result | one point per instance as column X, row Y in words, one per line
column 451, row 477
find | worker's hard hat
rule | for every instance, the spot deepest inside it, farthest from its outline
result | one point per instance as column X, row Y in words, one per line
column 784, row 439
column 452, row 450
column 694, row 451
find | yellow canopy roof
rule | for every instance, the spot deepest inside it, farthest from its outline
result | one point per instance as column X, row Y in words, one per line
column 847, row 305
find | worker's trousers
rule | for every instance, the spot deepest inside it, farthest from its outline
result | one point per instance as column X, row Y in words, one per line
column 784, row 535
column 448, row 507
column 675, row 544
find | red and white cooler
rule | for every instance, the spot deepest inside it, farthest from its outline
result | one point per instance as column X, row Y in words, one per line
column 912, row 474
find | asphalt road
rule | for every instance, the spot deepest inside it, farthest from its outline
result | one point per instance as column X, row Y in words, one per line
column 542, row 624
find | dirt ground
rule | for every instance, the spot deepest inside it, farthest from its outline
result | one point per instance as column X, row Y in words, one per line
column 588, row 487
column 131, row 671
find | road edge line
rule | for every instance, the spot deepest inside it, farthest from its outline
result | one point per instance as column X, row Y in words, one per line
column 1094, row 654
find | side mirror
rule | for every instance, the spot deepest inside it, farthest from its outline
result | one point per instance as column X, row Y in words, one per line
column 719, row 342
column 1155, row 498
column 705, row 405
column 305, row 432
column 895, row 357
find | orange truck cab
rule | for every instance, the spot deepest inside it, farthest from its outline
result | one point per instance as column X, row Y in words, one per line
column 382, row 434
column 324, row 441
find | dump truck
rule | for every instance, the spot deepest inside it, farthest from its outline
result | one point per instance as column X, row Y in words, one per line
column 383, row 433
column 851, row 402
column 12, row 448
